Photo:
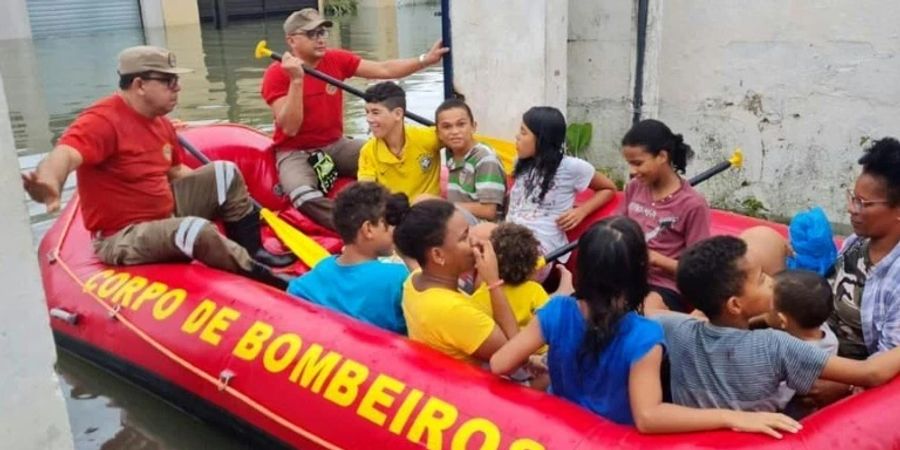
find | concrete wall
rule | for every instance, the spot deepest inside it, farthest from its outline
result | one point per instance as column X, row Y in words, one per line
column 800, row 86
column 503, row 73
column 601, row 73
column 32, row 410
column 14, row 23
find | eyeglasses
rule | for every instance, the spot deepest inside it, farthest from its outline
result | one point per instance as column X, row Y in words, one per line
column 313, row 34
column 170, row 82
column 858, row 204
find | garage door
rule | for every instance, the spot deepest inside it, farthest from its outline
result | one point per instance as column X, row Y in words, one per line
column 68, row 17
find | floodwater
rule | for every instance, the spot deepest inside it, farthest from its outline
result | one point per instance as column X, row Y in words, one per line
column 48, row 81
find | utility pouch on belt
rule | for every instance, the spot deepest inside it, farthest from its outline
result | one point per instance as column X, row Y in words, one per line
column 326, row 172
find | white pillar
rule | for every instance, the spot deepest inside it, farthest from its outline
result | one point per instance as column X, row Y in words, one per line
column 14, row 23
column 508, row 56
column 32, row 410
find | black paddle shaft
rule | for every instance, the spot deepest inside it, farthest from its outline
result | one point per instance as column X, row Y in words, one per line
column 553, row 255
column 335, row 82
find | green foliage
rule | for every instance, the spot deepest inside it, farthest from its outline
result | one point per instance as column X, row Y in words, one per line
column 751, row 206
column 578, row 138
column 340, row 7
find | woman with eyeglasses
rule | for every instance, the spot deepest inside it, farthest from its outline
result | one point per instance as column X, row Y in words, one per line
column 866, row 286
column 309, row 114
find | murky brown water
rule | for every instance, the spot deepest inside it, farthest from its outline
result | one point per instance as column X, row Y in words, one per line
column 49, row 81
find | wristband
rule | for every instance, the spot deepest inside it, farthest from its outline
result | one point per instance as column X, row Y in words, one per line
column 495, row 284
column 422, row 59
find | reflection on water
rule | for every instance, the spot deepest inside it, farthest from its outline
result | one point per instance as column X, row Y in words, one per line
column 49, row 81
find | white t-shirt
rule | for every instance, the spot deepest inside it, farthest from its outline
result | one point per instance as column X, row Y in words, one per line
column 573, row 176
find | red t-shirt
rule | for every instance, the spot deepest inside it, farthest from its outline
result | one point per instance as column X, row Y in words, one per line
column 686, row 213
column 123, row 178
column 323, row 104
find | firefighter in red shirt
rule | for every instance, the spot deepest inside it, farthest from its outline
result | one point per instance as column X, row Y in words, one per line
column 139, row 201
column 310, row 147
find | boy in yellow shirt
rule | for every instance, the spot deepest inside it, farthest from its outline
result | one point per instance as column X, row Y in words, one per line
column 402, row 158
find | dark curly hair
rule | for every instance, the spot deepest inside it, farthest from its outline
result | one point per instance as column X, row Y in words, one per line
column 805, row 296
column 422, row 228
column 655, row 137
column 549, row 128
column 612, row 279
column 708, row 273
column 882, row 160
column 387, row 93
column 517, row 252
column 366, row 202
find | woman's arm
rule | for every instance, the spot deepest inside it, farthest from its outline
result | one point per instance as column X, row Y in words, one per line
column 604, row 191
column 652, row 416
column 516, row 352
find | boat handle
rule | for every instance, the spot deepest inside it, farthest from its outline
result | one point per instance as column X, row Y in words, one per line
column 225, row 377
column 65, row 316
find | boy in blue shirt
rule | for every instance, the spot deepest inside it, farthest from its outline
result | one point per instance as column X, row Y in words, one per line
column 723, row 364
column 356, row 282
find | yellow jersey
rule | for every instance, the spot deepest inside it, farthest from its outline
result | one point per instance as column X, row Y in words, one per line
column 446, row 320
column 416, row 171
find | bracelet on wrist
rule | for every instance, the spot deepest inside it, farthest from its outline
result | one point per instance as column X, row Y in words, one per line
column 495, row 284
column 422, row 59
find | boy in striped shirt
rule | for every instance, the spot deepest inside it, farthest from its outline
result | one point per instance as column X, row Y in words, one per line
column 476, row 182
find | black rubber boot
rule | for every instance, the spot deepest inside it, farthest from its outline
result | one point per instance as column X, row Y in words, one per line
column 246, row 233
column 265, row 275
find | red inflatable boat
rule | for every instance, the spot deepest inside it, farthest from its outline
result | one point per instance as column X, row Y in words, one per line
column 286, row 373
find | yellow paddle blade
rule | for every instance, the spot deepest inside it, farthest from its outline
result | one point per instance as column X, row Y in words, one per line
column 262, row 50
column 506, row 151
column 308, row 250
column 737, row 158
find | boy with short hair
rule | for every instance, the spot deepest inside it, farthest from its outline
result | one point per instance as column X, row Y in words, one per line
column 403, row 158
column 722, row 364
column 356, row 282
column 476, row 182
column 802, row 305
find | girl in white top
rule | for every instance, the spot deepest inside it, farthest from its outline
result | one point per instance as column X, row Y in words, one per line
column 546, row 181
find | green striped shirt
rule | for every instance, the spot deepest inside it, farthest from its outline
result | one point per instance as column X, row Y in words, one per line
column 478, row 177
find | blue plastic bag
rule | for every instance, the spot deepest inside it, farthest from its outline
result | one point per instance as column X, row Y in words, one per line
column 813, row 242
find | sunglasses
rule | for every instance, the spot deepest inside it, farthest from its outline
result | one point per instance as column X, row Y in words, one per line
column 170, row 82
column 313, row 34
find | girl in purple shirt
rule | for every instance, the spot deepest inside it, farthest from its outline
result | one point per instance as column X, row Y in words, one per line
column 671, row 213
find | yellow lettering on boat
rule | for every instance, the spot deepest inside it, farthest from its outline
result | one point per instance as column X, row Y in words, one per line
column 112, row 284
column 124, row 294
column 168, row 304
column 151, row 293
column 379, row 394
column 526, row 444
column 91, row 284
column 199, row 316
column 470, row 428
column 252, row 341
column 344, row 386
column 405, row 410
column 220, row 322
column 275, row 363
column 312, row 366
column 435, row 417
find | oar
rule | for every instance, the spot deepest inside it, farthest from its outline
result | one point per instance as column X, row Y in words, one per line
column 506, row 150
column 736, row 160
column 308, row 250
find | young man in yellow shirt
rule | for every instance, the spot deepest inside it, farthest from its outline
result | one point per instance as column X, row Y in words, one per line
column 402, row 158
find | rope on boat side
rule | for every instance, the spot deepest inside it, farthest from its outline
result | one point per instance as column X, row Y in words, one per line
column 224, row 387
